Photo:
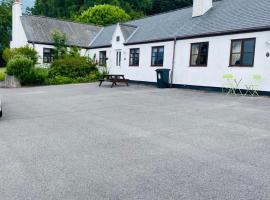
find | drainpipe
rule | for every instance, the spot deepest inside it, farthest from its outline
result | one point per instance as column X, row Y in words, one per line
column 173, row 62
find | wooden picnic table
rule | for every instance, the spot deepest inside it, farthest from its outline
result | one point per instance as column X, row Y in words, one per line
column 114, row 79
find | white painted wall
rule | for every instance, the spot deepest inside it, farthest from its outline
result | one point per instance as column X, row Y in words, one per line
column 210, row 76
column 218, row 62
column 18, row 35
column 145, row 72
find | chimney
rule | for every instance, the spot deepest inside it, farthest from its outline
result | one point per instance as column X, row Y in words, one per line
column 200, row 7
column 16, row 22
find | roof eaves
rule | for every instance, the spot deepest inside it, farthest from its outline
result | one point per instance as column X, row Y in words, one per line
column 51, row 43
column 100, row 47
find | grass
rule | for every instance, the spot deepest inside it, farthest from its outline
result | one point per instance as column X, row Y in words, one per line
column 2, row 74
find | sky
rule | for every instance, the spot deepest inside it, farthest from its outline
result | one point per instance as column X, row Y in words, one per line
column 26, row 3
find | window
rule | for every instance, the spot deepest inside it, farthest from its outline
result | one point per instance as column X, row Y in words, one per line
column 102, row 58
column 118, row 58
column 157, row 56
column 242, row 52
column 48, row 55
column 199, row 54
column 117, row 38
column 134, row 57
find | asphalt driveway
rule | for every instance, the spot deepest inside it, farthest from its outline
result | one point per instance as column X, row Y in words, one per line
column 84, row 142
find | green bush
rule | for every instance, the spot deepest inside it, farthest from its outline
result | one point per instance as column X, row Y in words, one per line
column 58, row 80
column 25, row 51
column 37, row 76
column 2, row 74
column 20, row 67
column 72, row 67
column 23, row 68
column 103, row 15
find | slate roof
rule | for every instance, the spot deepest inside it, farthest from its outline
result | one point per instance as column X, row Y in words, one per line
column 127, row 30
column 225, row 16
column 38, row 29
column 104, row 38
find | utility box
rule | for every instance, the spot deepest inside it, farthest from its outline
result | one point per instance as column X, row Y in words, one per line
column 163, row 78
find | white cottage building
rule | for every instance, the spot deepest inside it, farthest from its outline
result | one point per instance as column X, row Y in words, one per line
column 199, row 44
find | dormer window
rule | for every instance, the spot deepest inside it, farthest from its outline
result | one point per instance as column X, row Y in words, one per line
column 117, row 38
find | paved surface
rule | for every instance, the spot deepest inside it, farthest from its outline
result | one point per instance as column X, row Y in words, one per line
column 84, row 142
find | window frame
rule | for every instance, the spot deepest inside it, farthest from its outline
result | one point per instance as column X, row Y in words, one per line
column 104, row 59
column 199, row 54
column 158, row 47
column 242, row 40
column 50, row 58
column 131, row 55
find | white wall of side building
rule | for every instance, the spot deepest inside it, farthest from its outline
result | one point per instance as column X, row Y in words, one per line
column 145, row 72
column 210, row 76
column 219, row 62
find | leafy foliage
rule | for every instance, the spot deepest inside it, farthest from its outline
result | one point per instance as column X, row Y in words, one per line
column 2, row 74
column 20, row 67
column 59, row 39
column 72, row 67
column 37, row 76
column 24, row 51
column 103, row 15
column 135, row 8
column 5, row 26
column 23, row 68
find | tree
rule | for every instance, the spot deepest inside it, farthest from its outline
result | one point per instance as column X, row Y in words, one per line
column 59, row 39
column 5, row 26
column 167, row 5
column 68, row 9
column 103, row 15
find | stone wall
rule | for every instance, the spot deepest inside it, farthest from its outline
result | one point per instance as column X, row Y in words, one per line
column 10, row 82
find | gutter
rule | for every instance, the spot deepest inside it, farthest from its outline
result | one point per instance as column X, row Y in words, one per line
column 173, row 61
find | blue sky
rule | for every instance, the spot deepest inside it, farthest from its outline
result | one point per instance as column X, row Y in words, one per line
column 27, row 3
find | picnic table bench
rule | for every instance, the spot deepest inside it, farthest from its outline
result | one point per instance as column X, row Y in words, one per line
column 114, row 79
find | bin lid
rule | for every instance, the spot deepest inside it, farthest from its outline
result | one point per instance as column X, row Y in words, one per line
column 162, row 70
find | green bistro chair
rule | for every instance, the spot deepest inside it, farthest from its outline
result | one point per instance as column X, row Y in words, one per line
column 252, row 89
column 229, row 86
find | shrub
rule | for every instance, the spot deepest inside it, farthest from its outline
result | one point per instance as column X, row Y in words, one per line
column 25, row 51
column 58, row 80
column 103, row 15
column 20, row 67
column 72, row 67
column 2, row 74
column 37, row 76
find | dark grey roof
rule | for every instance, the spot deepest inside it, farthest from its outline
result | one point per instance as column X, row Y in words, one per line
column 225, row 16
column 127, row 30
column 38, row 29
column 104, row 38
